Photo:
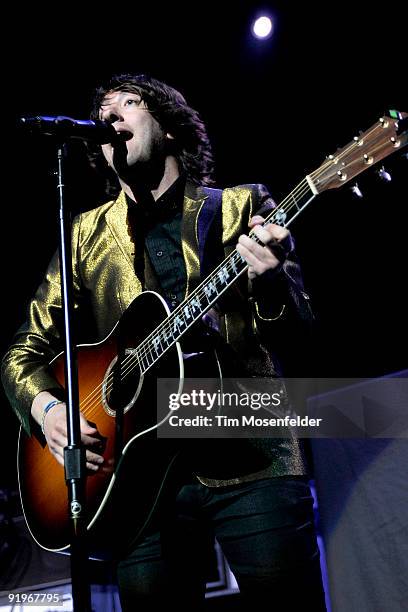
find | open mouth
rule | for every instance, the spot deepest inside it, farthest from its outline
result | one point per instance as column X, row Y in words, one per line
column 124, row 135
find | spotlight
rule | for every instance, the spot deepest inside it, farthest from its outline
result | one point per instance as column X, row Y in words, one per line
column 262, row 27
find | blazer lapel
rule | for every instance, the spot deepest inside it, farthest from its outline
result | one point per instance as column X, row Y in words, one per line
column 191, row 235
column 129, row 285
column 116, row 219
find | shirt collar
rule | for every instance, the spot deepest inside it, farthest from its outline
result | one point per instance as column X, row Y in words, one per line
column 168, row 204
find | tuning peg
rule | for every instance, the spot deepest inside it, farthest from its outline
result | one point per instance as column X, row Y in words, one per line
column 384, row 175
column 355, row 189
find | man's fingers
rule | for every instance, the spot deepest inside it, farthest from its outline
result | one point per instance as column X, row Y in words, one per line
column 279, row 233
column 252, row 246
column 277, row 239
column 260, row 266
column 263, row 234
column 94, row 458
column 273, row 231
column 58, row 457
column 90, row 438
column 269, row 251
column 58, row 440
column 256, row 253
column 92, row 442
column 86, row 428
column 256, row 220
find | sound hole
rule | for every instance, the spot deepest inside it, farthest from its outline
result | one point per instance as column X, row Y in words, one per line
column 121, row 384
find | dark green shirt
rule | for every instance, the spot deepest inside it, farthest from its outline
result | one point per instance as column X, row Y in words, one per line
column 157, row 226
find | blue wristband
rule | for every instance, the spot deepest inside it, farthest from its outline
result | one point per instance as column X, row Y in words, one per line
column 48, row 407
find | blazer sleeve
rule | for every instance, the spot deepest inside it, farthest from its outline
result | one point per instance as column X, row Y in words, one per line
column 25, row 369
column 281, row 307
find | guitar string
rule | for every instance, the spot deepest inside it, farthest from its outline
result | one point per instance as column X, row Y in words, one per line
column 136, row 358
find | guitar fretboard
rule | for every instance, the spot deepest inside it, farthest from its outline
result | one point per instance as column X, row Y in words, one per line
column 210, row 290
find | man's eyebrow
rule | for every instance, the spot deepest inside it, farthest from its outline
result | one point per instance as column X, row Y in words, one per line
column 131, row 93
column 106, row 101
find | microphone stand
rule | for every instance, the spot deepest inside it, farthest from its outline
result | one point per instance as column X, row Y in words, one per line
column 74, row 452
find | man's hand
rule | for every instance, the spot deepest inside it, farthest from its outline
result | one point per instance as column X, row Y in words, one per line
column 55, row 431
column 276, row 245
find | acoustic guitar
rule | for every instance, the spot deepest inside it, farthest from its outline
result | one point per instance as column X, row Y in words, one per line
column 117, row 381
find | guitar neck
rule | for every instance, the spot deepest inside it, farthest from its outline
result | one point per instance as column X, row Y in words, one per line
column 210, row 290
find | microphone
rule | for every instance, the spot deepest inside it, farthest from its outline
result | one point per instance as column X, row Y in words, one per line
column 97, row 131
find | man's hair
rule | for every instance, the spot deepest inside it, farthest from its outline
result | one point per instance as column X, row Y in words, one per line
column 170, row 109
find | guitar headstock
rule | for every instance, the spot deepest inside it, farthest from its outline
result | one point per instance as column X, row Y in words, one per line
column 370, row 147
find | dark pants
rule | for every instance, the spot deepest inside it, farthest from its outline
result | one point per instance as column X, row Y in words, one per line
column 266, row 531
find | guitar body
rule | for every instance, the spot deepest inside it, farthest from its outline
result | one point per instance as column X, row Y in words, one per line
column 123, row 494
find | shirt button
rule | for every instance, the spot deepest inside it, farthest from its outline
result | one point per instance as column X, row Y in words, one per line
column 159, row 253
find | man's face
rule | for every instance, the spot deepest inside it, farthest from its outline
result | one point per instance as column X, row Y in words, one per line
column 146, row 141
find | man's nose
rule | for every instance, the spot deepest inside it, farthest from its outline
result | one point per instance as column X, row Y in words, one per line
column 114, row 116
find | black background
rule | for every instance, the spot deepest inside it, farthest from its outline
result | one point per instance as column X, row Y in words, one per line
column 274, row 110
